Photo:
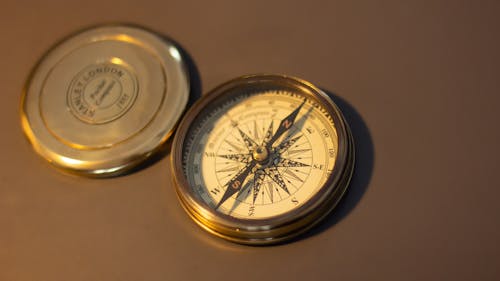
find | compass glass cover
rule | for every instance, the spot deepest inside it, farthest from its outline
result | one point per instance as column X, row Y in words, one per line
column 262, row 154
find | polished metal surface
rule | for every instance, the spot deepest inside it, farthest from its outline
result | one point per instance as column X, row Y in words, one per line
column 104, row 99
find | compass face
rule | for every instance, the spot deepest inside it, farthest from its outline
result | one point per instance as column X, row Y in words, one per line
column 234, row 133
column 262, row 158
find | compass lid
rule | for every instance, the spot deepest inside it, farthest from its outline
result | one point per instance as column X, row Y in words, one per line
column 105, row 99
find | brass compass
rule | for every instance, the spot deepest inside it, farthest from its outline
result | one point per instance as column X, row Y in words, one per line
column 262, row 158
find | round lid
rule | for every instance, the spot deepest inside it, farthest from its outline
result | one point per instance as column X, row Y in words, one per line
column 105, row 99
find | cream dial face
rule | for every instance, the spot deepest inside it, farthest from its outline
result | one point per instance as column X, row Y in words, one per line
column 231, row 146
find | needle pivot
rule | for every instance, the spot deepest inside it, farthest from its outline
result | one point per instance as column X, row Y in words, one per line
column 260, row 154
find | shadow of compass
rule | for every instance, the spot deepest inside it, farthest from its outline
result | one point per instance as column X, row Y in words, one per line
column 363, row 168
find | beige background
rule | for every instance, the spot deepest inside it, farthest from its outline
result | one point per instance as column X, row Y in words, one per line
column 418, row 80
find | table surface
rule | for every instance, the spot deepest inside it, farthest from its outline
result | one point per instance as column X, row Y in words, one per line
column 417, row 80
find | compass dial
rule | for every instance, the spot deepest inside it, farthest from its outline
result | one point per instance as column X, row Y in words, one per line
column 262, row 158
column 235, row 133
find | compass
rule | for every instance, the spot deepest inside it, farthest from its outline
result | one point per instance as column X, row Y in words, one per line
column 262, row 158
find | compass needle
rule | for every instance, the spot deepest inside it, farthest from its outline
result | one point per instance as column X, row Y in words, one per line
column 262, row 159
column 235, row 184
column 285, row 125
